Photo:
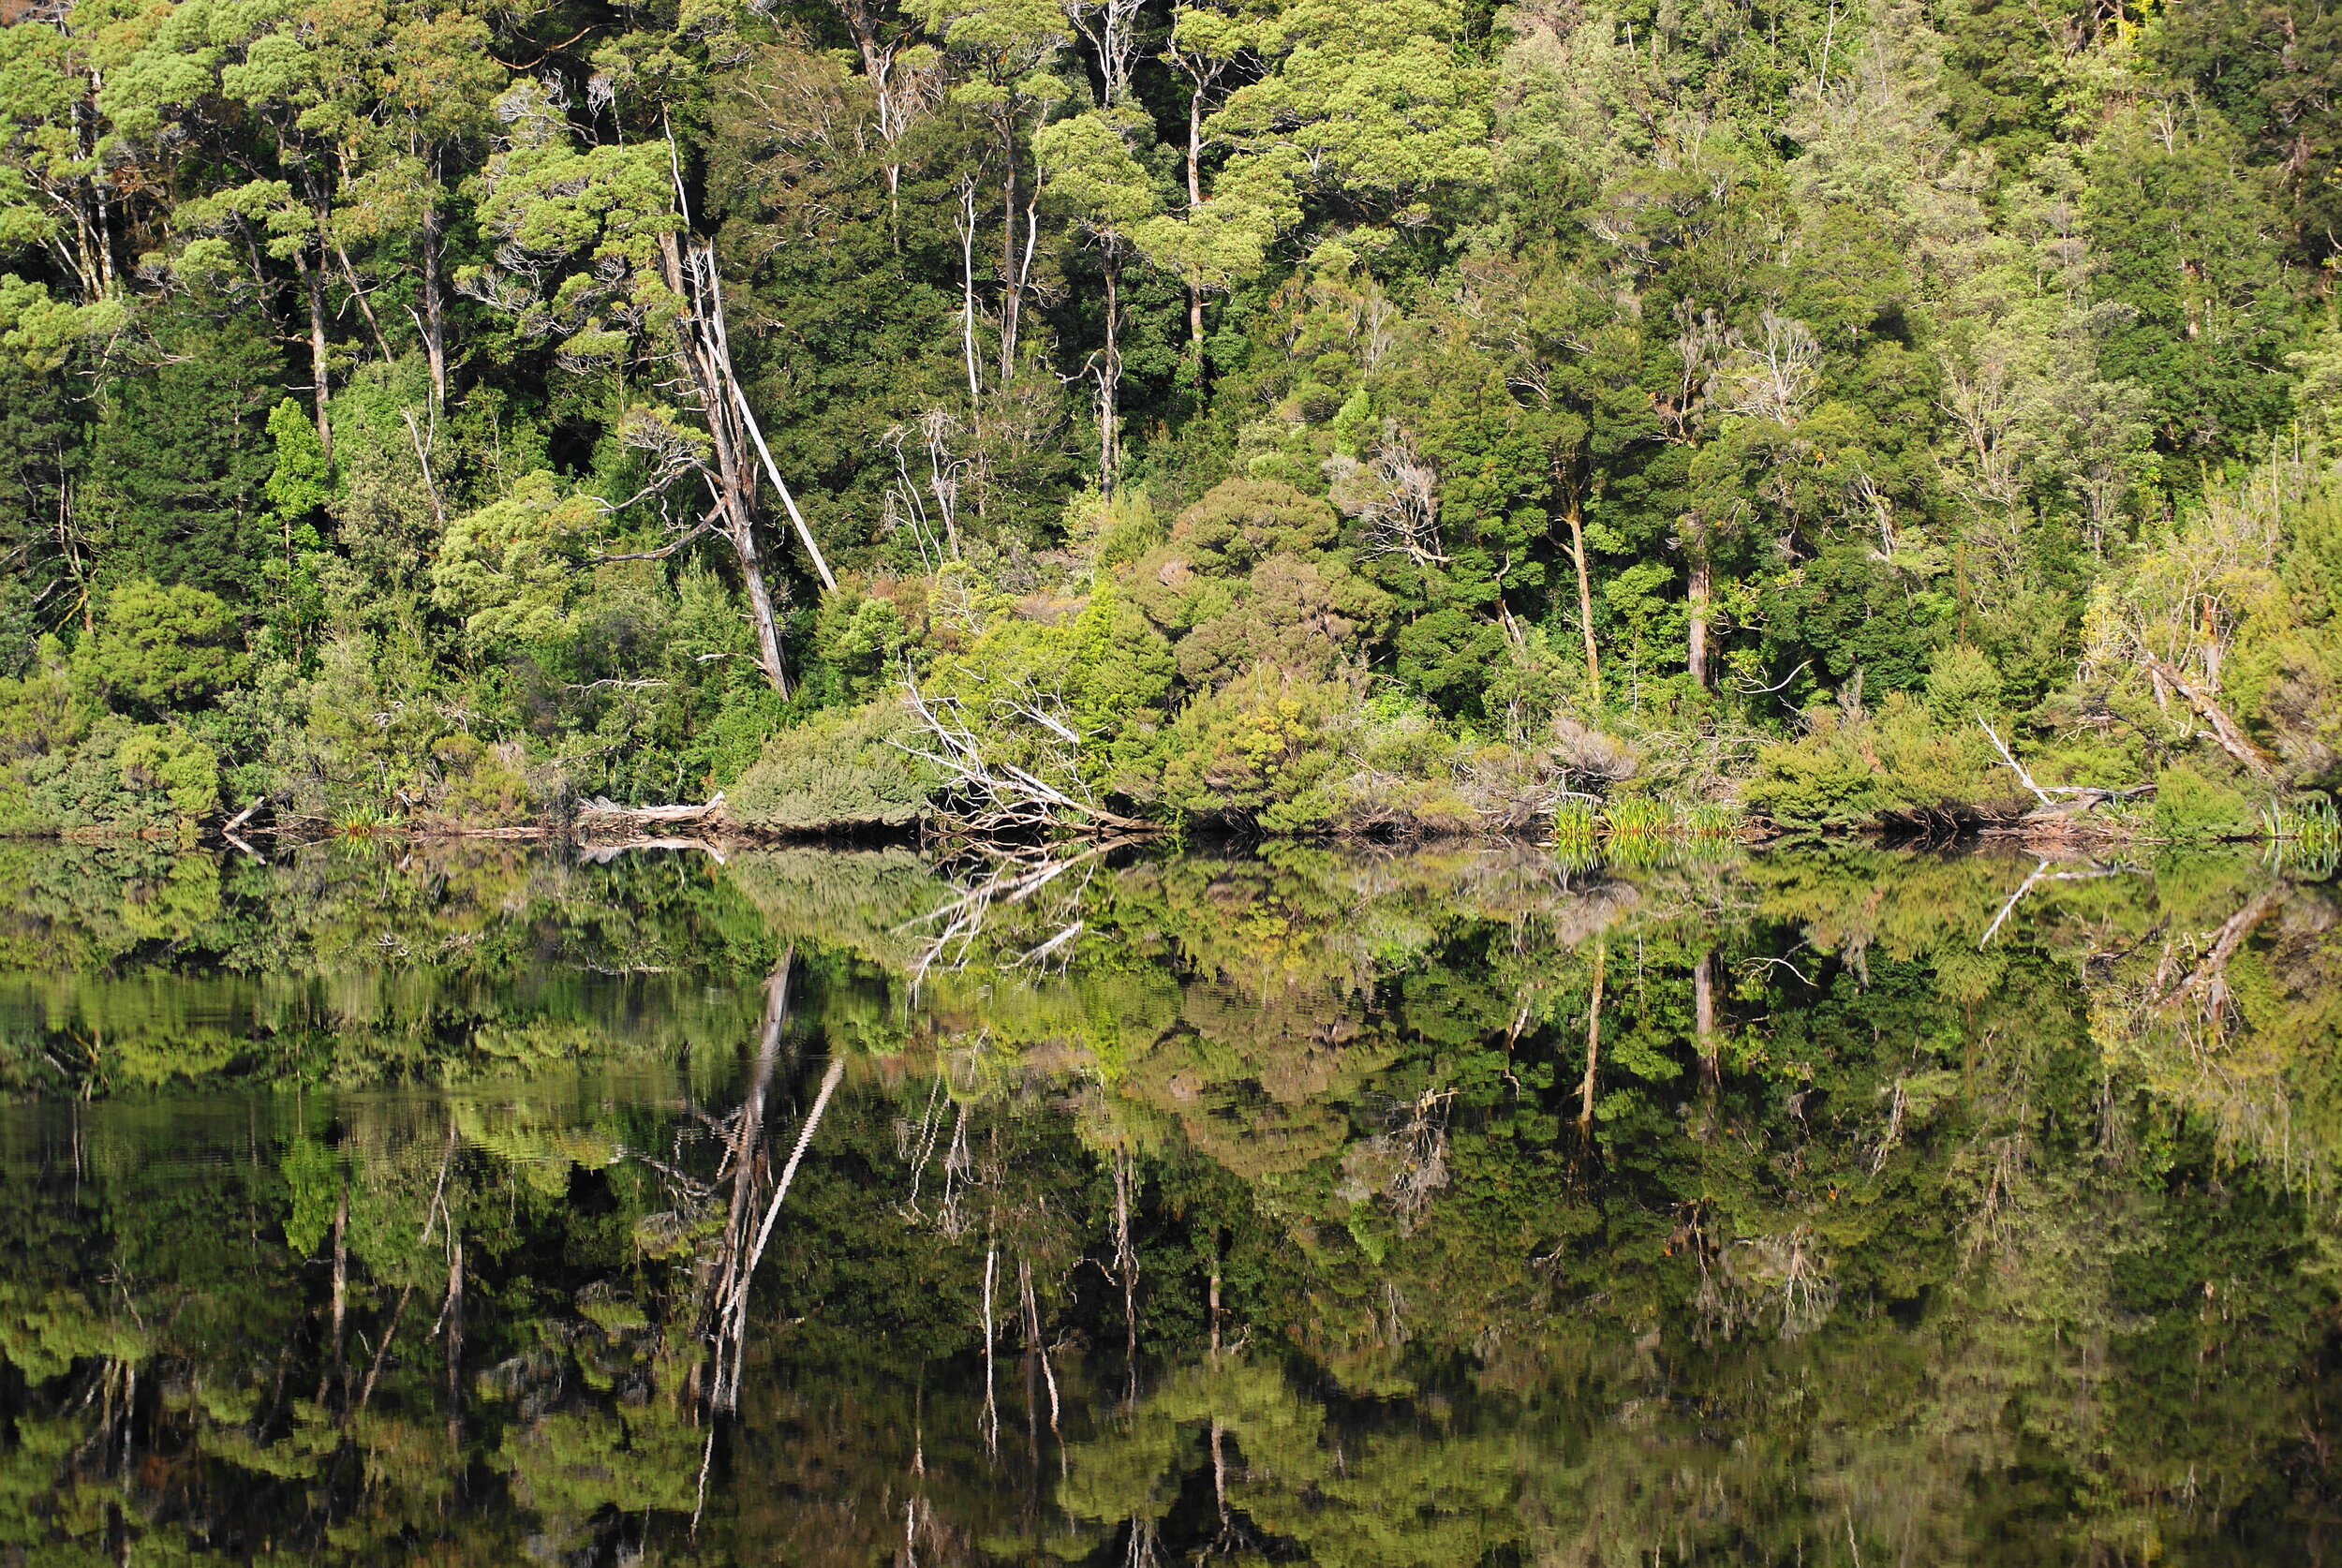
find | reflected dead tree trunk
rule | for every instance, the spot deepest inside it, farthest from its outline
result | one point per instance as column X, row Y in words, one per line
column 1594, row 1036
column 382, row 1351
column 1219, row 1477
column 748, row 1123
column 335, row 1369
column 991, row 1405
column 453, row 1315
column 737, row 1320
column 1704, row 1009
column 1126, row 1268
column 1034, row 1339
column 2209, row 977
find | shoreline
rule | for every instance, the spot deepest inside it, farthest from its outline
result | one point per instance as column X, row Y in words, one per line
column 719, row 835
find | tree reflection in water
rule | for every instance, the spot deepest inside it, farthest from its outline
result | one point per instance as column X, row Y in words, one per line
column 1445, row 1206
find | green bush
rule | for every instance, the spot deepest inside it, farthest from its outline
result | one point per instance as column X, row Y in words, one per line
column 185, row 771
column 2191, row 808
column 161, row 647
column 1894, row 766
column 120, row 777
column 1268, row 749
column 480, row 784
column 863, row 638
column 1961, row 682
column 838, row 770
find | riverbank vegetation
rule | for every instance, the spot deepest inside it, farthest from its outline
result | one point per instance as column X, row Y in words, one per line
column 1398, row 417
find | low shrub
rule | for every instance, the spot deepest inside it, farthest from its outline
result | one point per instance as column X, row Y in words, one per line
column 1897, row 765
column 2191, row 807
column 841, row 769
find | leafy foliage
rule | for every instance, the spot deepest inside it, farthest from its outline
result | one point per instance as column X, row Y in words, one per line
column 1478, row 378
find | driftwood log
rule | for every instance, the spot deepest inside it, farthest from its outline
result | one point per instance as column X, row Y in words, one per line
column 602, row 818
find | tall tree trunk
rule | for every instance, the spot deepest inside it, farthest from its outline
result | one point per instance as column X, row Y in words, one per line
column 735, row 481
column 313, row 280
column 741, row 534
column 349, row 276
column 1011, row 295
column 433, row 306
column 968, row 290
column 712, row 310
column 1195, row 200
column 878, row 68
column 1585, row 597
column 1214, row 1304
column 1110, row 384
column 1696, row 658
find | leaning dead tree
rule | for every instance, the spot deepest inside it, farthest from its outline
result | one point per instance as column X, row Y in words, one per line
column 653, row 301
column 2076, row 798
column 1014, row 772
column 705, row 346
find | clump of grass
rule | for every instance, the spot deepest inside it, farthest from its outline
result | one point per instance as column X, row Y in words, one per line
column 1636, row 831
column 363, row 822
column 1574, row 839
column 1632, row 816
column 1709, row 818
column 2305, row 833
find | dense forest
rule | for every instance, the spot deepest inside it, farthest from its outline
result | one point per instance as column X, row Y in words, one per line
column 1391, row 415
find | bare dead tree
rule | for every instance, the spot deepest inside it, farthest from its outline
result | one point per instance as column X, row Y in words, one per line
column 993, row 798
column 908, row 499
column 1772, row 377
column 1110, row 27
column 1395, row 497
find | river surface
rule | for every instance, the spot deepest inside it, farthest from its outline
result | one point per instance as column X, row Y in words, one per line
column 1451, row 1206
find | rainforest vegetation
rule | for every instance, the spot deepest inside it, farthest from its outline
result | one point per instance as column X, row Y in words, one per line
column 1295, row 415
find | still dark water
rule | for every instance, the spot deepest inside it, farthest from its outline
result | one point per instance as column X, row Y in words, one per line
column 1444, row 1207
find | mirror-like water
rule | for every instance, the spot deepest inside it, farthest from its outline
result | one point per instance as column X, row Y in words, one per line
column 1440, row 1208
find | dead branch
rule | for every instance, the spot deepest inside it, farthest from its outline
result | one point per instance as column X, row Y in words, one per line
column 2229, row 734
column 662, row 552
column 2040, row 874
column 2086, row 796
column 964, row 918
column 602, row 808
column 638, row 826
column 2010, row 758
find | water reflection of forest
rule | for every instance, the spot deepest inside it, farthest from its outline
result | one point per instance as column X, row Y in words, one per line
column 1441, row 1206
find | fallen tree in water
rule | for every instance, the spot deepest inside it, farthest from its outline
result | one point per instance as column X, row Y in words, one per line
column 601, row 819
